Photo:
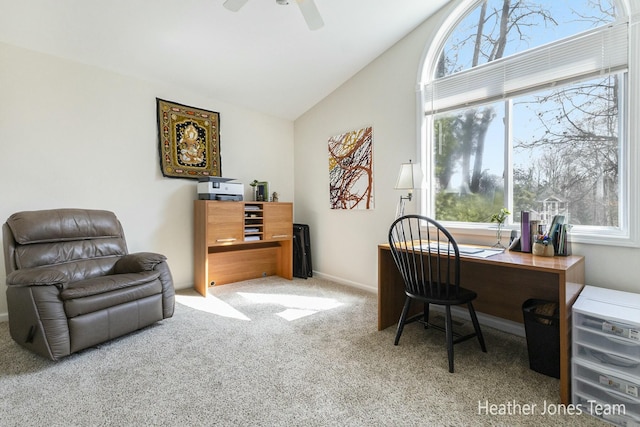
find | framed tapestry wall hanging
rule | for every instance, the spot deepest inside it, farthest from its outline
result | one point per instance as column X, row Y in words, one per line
column 351, row 170
column 189, row 141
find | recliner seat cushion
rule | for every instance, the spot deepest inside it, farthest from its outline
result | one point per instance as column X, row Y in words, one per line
column 102, row 284
column 122, row 288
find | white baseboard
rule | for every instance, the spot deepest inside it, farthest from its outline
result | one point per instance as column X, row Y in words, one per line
column 346, row 282
column 4, row 317
column 504, row 325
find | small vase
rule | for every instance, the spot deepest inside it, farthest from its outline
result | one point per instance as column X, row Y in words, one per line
column 498, row 237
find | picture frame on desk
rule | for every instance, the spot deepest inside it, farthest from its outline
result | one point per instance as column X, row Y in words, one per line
column 262, row 191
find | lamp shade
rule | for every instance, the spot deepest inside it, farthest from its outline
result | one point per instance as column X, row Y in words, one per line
column 405, row 177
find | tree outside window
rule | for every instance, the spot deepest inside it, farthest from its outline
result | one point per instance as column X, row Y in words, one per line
column 551, row 148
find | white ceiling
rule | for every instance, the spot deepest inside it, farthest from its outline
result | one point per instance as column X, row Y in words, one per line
column 262, row 57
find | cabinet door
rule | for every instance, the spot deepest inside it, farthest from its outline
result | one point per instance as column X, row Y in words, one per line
column 225, row 223
column 278, row 221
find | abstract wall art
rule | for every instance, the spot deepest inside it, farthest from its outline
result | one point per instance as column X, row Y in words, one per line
column 351, row 170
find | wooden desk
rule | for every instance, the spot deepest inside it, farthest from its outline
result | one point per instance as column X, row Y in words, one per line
column 503, row 283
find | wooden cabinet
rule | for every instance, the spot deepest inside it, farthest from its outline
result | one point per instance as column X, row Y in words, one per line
column 224, row 224
column 278, row 222
column 236, row 241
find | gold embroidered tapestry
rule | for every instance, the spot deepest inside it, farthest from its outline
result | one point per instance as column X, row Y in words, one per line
column 189, row 141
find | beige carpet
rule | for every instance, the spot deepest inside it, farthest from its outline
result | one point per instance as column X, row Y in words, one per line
column 272, row 352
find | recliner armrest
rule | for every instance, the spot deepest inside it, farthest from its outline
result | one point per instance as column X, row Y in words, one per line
column 140, row 261
column 37, row 277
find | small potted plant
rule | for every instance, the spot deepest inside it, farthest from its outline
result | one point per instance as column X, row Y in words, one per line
column 499, row 218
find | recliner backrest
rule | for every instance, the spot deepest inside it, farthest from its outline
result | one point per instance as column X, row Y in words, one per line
column 85, row 243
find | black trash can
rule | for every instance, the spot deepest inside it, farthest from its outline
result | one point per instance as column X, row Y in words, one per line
column 542, row 327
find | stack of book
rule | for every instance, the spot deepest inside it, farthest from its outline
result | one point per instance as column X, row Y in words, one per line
column 558, row 233
column 532, row 230
column 525, row 232
column 529, row 231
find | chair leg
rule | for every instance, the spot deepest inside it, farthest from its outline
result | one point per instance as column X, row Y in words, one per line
column 476, row 326
column 425, row 315
column 449, row 332
column 403, row 318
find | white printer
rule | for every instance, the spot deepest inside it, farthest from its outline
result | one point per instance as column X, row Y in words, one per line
column 218, row 188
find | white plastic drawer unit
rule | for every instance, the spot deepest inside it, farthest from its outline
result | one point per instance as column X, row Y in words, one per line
column 606, row 355
column 609, row 381
column 607, row 342
column 626, row 419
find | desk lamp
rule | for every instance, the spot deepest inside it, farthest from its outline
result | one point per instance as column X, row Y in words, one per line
column 405, row 182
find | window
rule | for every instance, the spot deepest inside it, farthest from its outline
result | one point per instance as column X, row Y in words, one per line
column 525, row 108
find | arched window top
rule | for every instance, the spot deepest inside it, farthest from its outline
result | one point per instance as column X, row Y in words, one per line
column 496, row 29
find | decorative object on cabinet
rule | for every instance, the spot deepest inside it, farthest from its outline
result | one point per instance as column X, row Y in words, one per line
column 236, row 241
column 351, row 170
column 606, row 355
column 189, row 141
column 262, row 191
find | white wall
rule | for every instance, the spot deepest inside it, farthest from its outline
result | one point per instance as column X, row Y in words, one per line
column 344, row 243
column 76, row 136
column 72, row 135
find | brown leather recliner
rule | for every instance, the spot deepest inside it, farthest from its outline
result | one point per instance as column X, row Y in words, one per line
column 71, row 283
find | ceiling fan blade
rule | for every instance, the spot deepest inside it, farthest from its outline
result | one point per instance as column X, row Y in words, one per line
column 234, row 5
column 311, row 14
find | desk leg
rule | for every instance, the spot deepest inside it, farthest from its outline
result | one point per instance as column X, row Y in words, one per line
column 570, row 288
column 390, row 291
column 565, row 353
column 391, row 294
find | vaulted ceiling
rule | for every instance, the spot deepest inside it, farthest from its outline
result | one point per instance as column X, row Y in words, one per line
column 262, row 57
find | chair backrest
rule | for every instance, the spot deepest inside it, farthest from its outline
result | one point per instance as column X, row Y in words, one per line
column 426, row 255
column 85, row 243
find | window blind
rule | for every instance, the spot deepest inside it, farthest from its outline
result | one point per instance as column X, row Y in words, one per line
column 596, row 52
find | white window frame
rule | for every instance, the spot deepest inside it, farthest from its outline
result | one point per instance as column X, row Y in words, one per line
column 628, row 233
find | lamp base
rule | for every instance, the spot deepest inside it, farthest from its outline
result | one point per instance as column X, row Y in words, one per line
column 401, row 203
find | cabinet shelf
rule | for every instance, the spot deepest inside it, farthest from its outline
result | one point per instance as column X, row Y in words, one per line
column 253, row 222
